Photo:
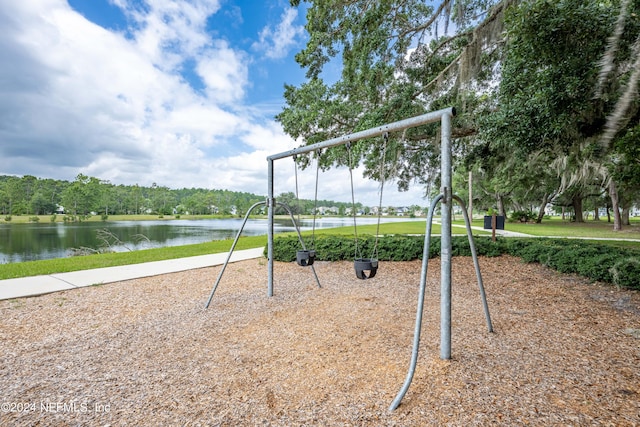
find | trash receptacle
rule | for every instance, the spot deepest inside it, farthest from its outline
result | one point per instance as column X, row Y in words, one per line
column 499, row 222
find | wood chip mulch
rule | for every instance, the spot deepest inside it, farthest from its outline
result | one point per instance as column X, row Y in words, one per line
column 146, row 352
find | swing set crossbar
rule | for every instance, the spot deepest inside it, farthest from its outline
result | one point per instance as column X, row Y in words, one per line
column 432, row 117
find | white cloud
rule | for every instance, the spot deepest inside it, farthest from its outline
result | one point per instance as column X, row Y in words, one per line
column 224, row 73
column 276, row 42
column 169, row 30
column 78, row 98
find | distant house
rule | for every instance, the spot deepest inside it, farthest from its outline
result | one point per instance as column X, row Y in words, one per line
column 60, row 209
column 328, row 210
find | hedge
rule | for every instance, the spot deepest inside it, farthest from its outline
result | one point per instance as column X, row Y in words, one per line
column 598, row 262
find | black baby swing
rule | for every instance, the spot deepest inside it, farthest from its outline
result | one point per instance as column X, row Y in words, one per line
column 306, row 257
column 360, row 264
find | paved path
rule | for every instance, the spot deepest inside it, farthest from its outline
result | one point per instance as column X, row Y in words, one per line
column 504, row 233
column 38, row 285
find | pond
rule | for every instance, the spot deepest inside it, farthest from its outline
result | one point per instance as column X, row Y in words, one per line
column 29, row 242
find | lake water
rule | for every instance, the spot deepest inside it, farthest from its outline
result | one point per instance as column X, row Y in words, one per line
column 29, row 242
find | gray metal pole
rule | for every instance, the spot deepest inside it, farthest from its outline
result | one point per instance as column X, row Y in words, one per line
column 369, row 133
column 418, row 328
column 476, row 264
column 233, row 246
column 271, row 205
column 445, row 240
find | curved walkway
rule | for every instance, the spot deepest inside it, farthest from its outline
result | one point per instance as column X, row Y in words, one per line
column 38, row 285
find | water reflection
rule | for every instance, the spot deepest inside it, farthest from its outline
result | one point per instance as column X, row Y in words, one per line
column 27, row 242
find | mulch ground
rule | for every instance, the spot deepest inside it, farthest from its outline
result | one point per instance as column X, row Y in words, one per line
column 146, row 352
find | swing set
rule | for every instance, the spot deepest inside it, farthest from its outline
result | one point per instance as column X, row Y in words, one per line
column 306, row 257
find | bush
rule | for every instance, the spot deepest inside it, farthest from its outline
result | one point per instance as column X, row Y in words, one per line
column 523, row 216
column 625, row 273
column 595, row 261
column 8, row 218
column 34, row 219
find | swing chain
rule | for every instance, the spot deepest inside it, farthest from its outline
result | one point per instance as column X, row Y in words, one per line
column 295, row 163
column 315, row 200
column 353, row 202
column 385, row 137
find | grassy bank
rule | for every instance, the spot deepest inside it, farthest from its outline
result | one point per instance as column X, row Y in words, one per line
column 61, row 265
column 548, row 228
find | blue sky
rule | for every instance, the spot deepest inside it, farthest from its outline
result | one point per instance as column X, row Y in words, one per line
column 182, row 93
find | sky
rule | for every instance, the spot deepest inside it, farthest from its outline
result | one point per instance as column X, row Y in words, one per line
column 181, row 93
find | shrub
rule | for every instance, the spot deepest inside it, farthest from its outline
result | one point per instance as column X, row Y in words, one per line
column 34, row 219
column 625, row 273
column 8, row 218
column 595, row 261
column 53, row 217
column 523, row 216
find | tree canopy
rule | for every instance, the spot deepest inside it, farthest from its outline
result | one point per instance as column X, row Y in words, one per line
column 547, row 90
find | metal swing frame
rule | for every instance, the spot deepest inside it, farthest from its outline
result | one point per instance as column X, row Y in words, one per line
column 233, row 246
column 446, row 198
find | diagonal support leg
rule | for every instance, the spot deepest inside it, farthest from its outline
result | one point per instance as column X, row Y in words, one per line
column 423, row 279
column 418, row 327
column 233, row 246
column 475, row 262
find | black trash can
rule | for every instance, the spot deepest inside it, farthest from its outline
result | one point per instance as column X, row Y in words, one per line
column 499, row 222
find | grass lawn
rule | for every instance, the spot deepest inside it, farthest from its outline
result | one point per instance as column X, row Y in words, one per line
column 552, row 227
column 556, row 227
column 61, row 265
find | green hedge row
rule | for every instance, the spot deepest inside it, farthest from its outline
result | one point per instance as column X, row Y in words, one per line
column 598, row 262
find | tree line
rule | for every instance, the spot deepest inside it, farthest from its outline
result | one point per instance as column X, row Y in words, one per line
column 86, row 195
column 546, row 93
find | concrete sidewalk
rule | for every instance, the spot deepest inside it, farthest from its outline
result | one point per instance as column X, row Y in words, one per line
column 38, row 285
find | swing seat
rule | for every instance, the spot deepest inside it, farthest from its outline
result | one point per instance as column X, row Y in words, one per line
column 305, row 258
column 362, row 265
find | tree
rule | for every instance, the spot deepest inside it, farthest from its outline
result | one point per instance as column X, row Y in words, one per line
column 80, row 197
column 395, row 65
column 546, row 99
column 40, row 204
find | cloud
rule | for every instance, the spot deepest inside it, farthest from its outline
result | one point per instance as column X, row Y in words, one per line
column 224, row 73
column 170, row 30
column 276, row 42
column 115, row 104
column 79, row 97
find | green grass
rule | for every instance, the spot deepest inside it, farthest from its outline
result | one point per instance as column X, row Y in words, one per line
column 61, row 265
column 409, row 227
column 556, row 227
column 553, row 227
